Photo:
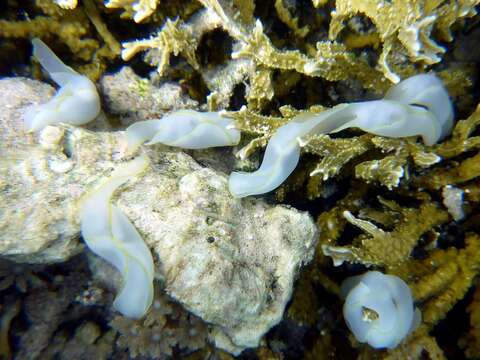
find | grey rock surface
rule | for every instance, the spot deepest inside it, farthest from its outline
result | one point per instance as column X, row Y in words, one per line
column 37, row 222
column 133, row 98
column 231, row 262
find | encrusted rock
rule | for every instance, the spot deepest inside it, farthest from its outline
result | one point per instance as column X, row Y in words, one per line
column 37, row 223
column 133, row 98
column 231, row 262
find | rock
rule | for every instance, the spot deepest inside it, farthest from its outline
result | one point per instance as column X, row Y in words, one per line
column 231, row 262
column 37, row 223
column 228, row 261
column 133, row 98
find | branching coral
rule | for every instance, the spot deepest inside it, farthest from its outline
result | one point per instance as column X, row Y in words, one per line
column 254, row 57
column 405, row 27
column 166, row 330
column 138, row 9
column 460, row 142
column 471, row 341
column 174, row 38
column 73, row 28
column 331, row 61
column 438, row 281
column 387, row 248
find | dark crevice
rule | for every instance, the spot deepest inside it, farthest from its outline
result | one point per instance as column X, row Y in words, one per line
column 214, row 48
column 238, row 98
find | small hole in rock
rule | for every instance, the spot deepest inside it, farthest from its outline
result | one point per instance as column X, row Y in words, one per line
column 67, row 148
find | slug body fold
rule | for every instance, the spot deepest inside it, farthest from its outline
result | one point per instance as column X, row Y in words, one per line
column 379, row 309
column 76, row 102
column 187, row 129
column 416, row 106
column 109, row 234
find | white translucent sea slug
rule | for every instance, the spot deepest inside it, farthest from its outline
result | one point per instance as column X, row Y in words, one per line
column 110, row 235
column 416, row 106
column 187, row 129
column 76, row 102
column 379, row 309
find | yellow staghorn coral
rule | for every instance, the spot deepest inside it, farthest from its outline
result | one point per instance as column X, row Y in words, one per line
column 460, row 142
column 136, row 9
column 438, row 282
column 467, row 170
column 405, row 27
column 67, row 4
column 332, row 222
column 287, row 18
column 471, row 341
column 95, row 44
column 390, row 169
column 335, row 153
column 331, row 61
column 255, row 57
column 174, row 38
column 441, row 300
column 387, row 171
column 261, row 89
column 66, row 29
column 387, row 248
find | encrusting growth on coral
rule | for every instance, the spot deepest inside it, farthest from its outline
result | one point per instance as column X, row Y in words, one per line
column 167, row 330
